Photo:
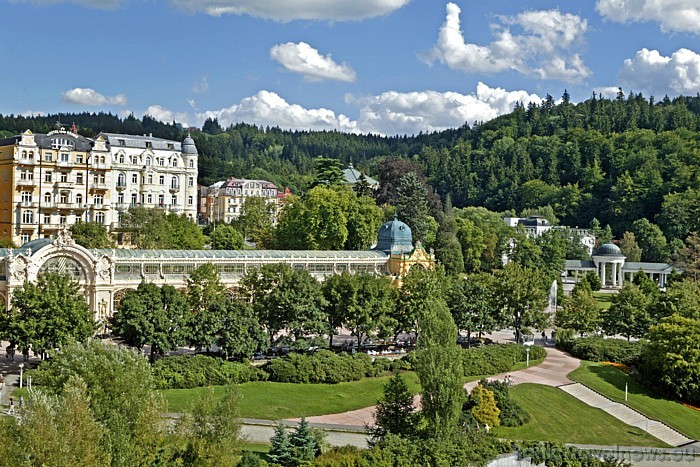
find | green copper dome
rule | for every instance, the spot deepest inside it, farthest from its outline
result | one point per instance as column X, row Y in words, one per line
column 395, row 237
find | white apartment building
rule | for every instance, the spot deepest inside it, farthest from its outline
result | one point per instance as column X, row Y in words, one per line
column 223, row 201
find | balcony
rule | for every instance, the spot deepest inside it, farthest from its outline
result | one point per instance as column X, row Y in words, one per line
column 174, row 188
column 99, row 207
column 64, row 185
column 27, row 182
column 121, row 186
column 64, row 163
column 26, row 161
column 71, row 206
column 175, row 208
column 28, row 204
column 99, row 186
column 100, row 166
column 123, row 206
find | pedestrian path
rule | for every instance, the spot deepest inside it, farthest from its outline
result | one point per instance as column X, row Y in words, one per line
column 629, row 416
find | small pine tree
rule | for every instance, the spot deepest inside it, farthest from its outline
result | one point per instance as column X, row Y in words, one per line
column 395, row 412
column 485, row 409
column 281, row 447
column 303, row 442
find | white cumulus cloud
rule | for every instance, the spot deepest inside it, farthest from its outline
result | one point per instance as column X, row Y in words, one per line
column 88, row 96
column 659, row 74
column 167, row 116
column 268, row 108
column 389, row 113
column 609, row 92
column 392, row 113
column 303, row 59
column 289, row 10
column 535, row 43
column 672, row 15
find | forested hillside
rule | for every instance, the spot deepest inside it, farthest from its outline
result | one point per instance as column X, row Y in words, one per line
column 616, row 160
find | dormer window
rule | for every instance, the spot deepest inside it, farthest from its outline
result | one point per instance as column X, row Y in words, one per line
column 149, row 144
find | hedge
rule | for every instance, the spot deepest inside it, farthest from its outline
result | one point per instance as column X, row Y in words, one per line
column 497, row 358
column 184, row 372
column 598, row 349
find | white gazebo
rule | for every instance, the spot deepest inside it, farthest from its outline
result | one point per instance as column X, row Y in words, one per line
column 610, row 255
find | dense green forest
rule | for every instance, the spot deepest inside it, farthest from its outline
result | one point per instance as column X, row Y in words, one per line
column 616, row 160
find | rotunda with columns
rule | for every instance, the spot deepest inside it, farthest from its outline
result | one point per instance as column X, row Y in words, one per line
column 609, row 256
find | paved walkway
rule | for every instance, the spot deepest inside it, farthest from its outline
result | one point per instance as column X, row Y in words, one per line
column 552, row 372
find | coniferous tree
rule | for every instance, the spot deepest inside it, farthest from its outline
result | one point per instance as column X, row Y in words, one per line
column 281, row 449
column 395, row 412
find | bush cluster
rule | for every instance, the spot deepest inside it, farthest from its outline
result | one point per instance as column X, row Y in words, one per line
column 497, row 358
column 597, row 349
column 511, row 412
column 183, row 372
column 324, row 366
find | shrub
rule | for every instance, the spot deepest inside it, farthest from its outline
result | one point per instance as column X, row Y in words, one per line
column 511, row 412
column 597, row 349
column 498, row 358
column 484, row 407
column 324, row 366
column 183, row 372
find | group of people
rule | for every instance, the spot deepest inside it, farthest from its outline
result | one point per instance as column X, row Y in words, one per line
column 508, row 380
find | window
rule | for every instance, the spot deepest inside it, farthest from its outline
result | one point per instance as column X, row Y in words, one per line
column 47, row 198
column 79, row 178
column 191, row 164
column 148, row 160
column 161, row 161
column 190, row 200
column 64, row 177
column 134, row 178
column 100, row 217
column 121, row 180
column 63, row 199
column 173, row 200
column 121, row 158
column 150, row 179
column 62, row 219
column 102, row 178
column 79, row 158
column 175, row 182
column 48, row 157
column 190, row 181
column 121, row 142
column 79, row 198
column 28, row 217
column 120, row 198
column 26, row 197
column 150, row 198
column 174, row 162
column 24, row 238
column 47, row 177
column 161, row 200
column 97, row 200
column 47, row 218
column 65, row 157
column 134, row 199
column 149, row 144
column 161, row 180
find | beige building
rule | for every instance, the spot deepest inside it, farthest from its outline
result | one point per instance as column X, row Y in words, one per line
column 50, row 181
column 223, row 201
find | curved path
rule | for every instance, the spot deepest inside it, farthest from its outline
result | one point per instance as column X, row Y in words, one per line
column 551, row 372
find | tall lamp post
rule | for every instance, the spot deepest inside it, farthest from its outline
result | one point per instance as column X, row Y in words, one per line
column 527, row 351
column 21, row 373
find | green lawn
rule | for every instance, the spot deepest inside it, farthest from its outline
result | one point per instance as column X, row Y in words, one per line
column 274, row 401
column 604, row 299
column 558, row 417
column 610, row 382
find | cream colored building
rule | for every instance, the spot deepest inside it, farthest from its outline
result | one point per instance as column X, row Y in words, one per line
column 223, row 201
column 48, row 182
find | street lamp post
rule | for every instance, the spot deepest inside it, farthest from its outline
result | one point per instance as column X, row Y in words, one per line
column 21, row 373
column 527, row 351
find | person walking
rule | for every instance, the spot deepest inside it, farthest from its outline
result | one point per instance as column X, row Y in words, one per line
column 12, row 407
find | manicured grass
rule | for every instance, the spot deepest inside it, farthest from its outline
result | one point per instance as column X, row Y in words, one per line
column 274, row 401
column 558, row 417
column 610, row 382
column 258, row 448
column 604, row 299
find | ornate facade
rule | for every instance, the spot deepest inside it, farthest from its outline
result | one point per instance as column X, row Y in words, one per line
column 51, row 181
column 106, row 274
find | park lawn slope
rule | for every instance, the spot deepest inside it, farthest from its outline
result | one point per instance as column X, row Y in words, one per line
column 610, row 382
column 558, row 417
column 274, row 401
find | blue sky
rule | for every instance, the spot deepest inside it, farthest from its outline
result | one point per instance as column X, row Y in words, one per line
column 380, row 66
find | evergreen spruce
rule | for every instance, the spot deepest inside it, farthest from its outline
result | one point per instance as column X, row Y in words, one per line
column 281, row 449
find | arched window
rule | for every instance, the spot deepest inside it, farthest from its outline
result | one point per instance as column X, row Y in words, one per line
column 28, row 217
column 121, row 180
column 148, row 160
column 191, row 164
column 102, row 159
column 24, row 154
column 64, row 265
column 31, row 154
column 79, row 198
column 174, row 182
